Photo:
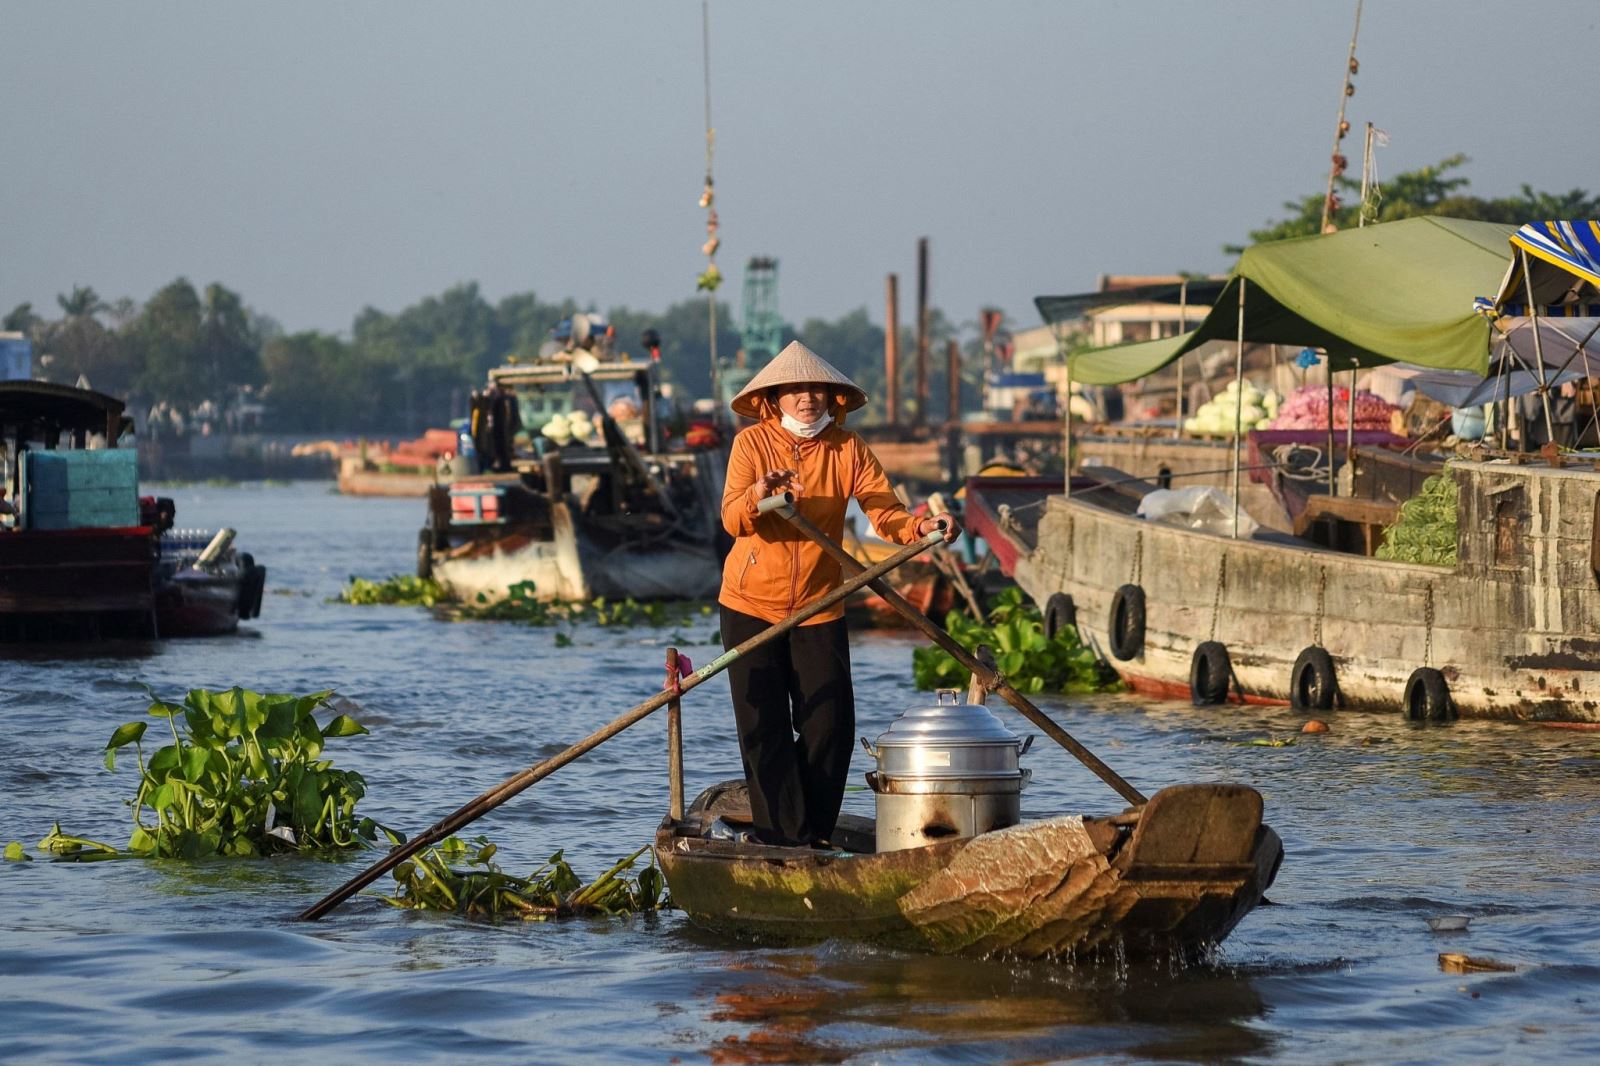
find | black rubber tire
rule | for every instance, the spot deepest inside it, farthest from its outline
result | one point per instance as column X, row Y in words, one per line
column 1059, row 613
column 252, row 584
column 1427, row 697
column 1210, row 674
column 258, row 589
column 1313, row 686
column 1126, row 629
column 424, row 553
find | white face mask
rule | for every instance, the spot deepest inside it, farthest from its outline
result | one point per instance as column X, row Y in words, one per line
column 805, row 429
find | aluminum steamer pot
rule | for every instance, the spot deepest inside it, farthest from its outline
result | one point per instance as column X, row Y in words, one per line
column 945, row 772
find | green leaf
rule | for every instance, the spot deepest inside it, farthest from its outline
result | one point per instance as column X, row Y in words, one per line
column 280, row 720
column 15, row 852
column 126, row 733
column 163, row 709
column 308, row 799
column 344, row 726
column 194, row 763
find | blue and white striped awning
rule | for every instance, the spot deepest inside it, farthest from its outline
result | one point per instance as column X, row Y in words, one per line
column 1564, row 264
column 1573, row 246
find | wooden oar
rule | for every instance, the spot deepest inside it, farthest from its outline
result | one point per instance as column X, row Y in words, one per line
column 508, row 788
column 783, row 504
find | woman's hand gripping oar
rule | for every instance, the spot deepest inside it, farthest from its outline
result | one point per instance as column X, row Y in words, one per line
column 783, row 504
column 508, row 788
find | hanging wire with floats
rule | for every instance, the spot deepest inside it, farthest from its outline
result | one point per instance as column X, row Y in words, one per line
column 712, row 276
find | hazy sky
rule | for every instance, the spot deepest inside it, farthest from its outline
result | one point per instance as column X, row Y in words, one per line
column 320, row 157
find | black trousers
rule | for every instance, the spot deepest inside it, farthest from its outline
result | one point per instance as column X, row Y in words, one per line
column 796, row 715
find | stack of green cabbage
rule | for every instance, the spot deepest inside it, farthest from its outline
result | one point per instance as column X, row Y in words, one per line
column 1426, row 531
column 1247, row 408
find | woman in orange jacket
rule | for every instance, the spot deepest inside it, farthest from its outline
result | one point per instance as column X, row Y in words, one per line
column 792, row 698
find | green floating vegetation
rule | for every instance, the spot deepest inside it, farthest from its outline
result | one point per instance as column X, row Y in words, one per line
column 1426, row 529
column 401, row 590
column 521, row 604
column 1028, row 659
column 243, row 776
column 461, row 877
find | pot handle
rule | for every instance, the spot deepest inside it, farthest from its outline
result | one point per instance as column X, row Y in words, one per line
column 1027, row 742
column 866, row 745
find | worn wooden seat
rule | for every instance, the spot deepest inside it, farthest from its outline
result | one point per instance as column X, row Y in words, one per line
column 1194, row 832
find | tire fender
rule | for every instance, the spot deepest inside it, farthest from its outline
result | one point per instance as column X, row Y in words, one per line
column 1059, row 613
column 1126, row 628
column 1313, row 685
column 1427, row 697
column 424, row 553
column 1210, row 674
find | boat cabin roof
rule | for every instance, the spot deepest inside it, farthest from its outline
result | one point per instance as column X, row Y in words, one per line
column 541, row 375
column 39, row 409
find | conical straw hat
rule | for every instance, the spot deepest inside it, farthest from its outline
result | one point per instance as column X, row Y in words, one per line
column 796, row 365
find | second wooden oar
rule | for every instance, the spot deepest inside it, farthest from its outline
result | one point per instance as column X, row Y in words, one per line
column 783, row 504
column 508, row 788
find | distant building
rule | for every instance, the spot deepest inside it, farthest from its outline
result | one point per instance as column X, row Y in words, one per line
column 16, row 357
column 1126, row 323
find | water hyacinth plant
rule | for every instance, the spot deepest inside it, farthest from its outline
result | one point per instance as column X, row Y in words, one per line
column 243, row 776
column 521, row 603
column 461, row 877
column 401, row 590
column 1028, row 659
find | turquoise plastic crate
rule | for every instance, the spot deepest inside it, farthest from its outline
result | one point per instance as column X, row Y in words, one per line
column 81, row 489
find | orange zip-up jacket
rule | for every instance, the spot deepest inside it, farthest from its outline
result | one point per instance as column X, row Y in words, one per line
column 773, row 569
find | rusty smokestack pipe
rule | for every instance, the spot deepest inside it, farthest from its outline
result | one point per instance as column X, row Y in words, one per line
column 953, row 363
column 922, row 332
column 891, row 355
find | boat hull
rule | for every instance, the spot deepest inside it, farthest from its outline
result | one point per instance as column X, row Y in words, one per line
column 564, row 565
column 1506, row 627
column 1061, row 888
column 199, row 603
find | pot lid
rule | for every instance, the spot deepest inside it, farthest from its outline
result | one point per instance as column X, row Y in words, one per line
column 950, row 721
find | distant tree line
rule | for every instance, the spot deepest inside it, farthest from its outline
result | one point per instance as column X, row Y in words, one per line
column 191, row 350
column 1430, row 190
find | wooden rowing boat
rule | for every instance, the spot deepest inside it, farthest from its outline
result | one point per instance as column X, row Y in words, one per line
column 1172, row 876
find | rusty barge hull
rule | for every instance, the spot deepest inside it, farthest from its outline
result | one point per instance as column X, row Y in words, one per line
column 1172, row 877
column 1510, row 627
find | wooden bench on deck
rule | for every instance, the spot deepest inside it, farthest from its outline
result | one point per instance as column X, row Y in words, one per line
column 1346, row 523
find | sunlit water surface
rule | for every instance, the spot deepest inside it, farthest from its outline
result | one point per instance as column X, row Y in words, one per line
column 1384, row 825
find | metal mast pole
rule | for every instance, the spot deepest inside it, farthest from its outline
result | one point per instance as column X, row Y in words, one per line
column 706, row 200
column 1183, row 327
column 1538, row 348
column 1238, row 407
column 1066, row 420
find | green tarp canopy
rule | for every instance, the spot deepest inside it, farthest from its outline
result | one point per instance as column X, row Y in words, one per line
column 1395, row 292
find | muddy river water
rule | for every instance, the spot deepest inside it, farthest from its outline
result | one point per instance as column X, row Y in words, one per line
column 1384, row 825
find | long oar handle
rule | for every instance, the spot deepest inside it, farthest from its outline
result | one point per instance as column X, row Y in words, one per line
column 783, row 504
column 508, row 788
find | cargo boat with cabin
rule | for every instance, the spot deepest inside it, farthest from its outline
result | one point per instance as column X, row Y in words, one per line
column 84, row 556
column 1501, row 630
column 560, row 518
